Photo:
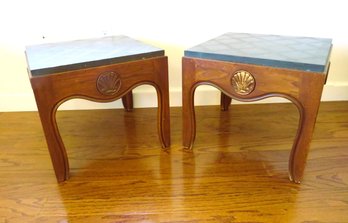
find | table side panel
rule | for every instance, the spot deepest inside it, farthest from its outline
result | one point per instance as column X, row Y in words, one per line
column 269, row 81
column 83, row 83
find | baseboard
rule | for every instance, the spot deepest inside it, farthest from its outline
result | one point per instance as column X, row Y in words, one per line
column 145, row 96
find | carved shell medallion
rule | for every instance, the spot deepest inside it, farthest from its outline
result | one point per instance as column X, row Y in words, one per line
column 108, row 83
column 243, row 82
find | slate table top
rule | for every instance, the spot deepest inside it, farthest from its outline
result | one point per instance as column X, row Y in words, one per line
column 72, row 55
column 299, row 53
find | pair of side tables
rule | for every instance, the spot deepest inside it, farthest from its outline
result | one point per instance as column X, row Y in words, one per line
column 242, row 66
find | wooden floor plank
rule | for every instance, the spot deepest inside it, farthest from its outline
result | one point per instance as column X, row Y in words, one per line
column 237, row 171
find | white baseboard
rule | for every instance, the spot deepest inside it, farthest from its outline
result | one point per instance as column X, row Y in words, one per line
column 145, row 96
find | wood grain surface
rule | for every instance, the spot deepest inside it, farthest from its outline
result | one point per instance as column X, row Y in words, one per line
column 119, row 173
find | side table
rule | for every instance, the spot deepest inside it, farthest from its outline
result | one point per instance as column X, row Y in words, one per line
column 250, row 67
column 103, row 70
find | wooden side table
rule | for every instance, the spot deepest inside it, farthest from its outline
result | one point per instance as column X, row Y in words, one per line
column 251, row 67
column 102, row 70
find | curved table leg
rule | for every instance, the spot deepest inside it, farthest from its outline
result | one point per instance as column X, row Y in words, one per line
column 189, row 119
column 47, row 112
column 163, row 119
column 225, row 102
column 162, row 89
column 127, row 101
column 188, row 109
column 298, row 156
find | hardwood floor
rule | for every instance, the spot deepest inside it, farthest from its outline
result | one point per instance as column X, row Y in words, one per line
column 237, row 171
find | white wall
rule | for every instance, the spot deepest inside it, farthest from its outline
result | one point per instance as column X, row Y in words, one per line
column 173, row 25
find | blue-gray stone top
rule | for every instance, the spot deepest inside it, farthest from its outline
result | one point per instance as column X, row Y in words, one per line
column 66, row 56
column 299, row 53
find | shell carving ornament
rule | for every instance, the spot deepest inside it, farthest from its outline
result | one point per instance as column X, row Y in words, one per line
column 108, row 83
column 243, row 82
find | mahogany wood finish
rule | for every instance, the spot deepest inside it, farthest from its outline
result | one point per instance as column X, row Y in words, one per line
column 54, row 89
column 304, row 89
column 237, row 174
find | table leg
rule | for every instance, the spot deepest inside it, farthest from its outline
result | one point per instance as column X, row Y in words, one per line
column 47, row 112
column 308, row 107
column 225, row 102
column 188, row 109
column 127, row 101
column 162, row 88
